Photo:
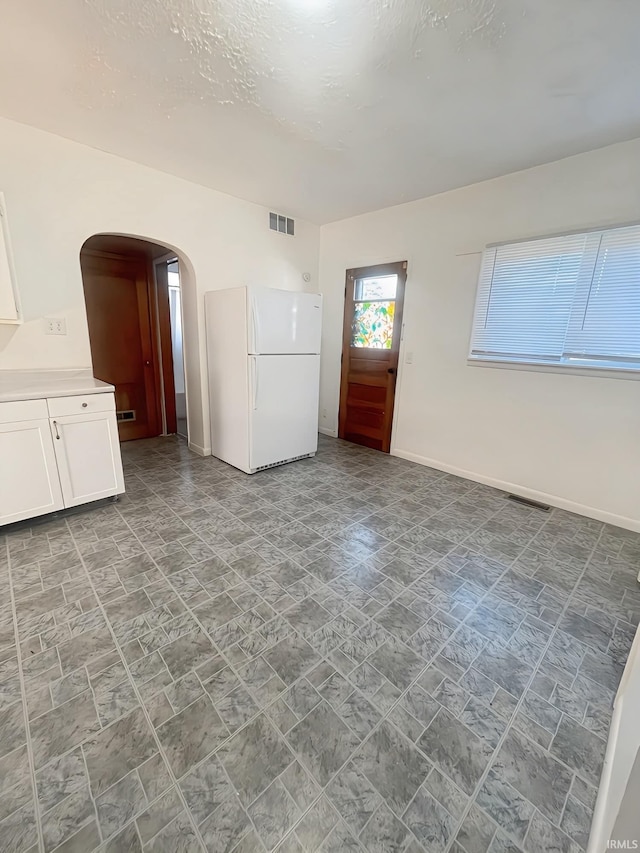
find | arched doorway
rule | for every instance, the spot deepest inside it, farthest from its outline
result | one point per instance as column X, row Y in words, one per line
column 134, row 317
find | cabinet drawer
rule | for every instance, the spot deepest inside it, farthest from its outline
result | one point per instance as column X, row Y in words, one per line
column 60, row 406
column 23, row 410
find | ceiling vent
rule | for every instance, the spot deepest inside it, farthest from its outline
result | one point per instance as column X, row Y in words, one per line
column 281, row 223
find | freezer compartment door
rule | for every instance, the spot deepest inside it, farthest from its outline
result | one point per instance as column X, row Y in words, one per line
column 284, row 407
column 283, row 321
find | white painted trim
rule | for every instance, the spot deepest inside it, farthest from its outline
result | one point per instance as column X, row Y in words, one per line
column 201, row 451
column 333, row 433
column 515, row 488
column 602, row 826
column 620, row 755
column 543, row 367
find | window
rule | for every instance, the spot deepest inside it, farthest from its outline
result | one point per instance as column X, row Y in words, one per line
column 571, row 300
column 374, row 312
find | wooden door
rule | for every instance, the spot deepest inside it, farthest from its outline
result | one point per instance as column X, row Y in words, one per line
column 373, row 303
column 88, row 456
column 118, row 298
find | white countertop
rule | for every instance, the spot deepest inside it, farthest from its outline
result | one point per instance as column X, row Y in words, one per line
column 37, row 384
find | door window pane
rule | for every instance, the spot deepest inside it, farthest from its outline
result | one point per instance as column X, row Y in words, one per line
column 369, row 289
column 373, row 324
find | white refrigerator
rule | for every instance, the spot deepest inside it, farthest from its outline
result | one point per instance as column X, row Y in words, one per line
column 263, row 353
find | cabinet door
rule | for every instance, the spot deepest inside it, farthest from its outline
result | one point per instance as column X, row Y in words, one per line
column 29, row 483
column 88, row 455
column 8, row 295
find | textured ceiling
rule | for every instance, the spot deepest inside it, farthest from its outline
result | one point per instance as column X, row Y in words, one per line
column 326, row 108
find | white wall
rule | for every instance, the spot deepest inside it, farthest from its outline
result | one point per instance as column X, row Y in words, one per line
column 58, row 193
column 573, row 440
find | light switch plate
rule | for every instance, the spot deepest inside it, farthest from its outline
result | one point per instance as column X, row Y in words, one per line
column 55, row 326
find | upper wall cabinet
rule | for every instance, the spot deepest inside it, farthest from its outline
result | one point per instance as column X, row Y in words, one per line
column 9, row 306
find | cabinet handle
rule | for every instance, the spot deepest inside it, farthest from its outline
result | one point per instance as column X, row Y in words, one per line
column 84, row 405
column 55, row 423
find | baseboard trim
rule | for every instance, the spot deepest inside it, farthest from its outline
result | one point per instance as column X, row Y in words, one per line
column 201, row 451
column 515, row 488
column 332, row 433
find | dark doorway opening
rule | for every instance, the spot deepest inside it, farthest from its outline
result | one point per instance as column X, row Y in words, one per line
column 129, row 286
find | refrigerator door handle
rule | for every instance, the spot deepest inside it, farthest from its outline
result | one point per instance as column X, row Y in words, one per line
column 254, row 382
column 255, row 325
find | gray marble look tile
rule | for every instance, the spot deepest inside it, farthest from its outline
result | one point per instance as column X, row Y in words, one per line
column 543, row 835
column 576, row 821
column 429, row 821
column 354, row 797
column 88, row 838
column 476, row 831
column 66, row 818
column 508, row 808
column 291, row 658
column 14, row 769
column 456, row 750
column 236, row 708
column 159, row 814
column 330, row 586
column 119, row 803
column 154, row 776
column 504, row 668
column 384, row 833
column 253, row 758
column 536, row 775
column 12, row 728
column 18, row 832
column 114, row 702
column 15, row 798
column 393, row 766
column 188, row 652
column 85, row 649
column 273, row 814
column 584, row 792
column 603, row 669
column 397, row 662
column 580, row 749
column 226, row 827
column 63, row 728
column 503, row 844
column 60, row 778
column 449, row 795
column 191, row 735
column 323, row 742
column 179, row 836
column 117, row 750
column 300, row 785
column 205, row 788
column 316, row 825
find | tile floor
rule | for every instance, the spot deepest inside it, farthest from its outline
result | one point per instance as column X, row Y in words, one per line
column 348, row 653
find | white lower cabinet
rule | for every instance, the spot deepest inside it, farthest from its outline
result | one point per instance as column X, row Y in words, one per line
column 29, row 482
column 88, row 456
column 50, row 459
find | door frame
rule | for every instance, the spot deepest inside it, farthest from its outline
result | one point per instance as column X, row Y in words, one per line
column 162, row 314
column 161, row 356
column 398, row 268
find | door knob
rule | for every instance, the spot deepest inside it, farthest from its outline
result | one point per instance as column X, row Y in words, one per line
column 392, row 371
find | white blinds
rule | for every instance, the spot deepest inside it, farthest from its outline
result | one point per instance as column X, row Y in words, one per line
column 561, row 300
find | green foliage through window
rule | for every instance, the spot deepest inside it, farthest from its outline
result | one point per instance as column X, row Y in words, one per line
column 373, row 325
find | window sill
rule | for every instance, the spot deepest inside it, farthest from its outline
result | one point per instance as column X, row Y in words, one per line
column 593, row 372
